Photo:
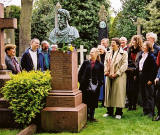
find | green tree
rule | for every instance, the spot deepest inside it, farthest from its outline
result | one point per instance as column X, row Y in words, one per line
column 124, row 22
column 25, row 25
column 152, row 23
column 84, row 16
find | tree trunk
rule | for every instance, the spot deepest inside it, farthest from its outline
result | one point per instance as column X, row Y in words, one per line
column 25, row 25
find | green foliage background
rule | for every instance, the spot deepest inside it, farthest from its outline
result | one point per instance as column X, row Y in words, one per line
column 84, row 16
column 152, row 22
column 26, row 94
column 123, row 24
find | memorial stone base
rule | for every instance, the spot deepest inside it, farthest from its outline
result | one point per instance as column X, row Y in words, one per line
column 64, row 109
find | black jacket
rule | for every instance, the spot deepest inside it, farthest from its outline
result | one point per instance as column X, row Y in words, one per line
column 91, row 99
column 149, row 68
column 27, row 63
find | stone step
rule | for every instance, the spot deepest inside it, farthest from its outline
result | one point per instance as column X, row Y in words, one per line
column 4, row 103
column 6, row 118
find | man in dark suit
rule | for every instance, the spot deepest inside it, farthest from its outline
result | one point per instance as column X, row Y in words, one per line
column 11, row 60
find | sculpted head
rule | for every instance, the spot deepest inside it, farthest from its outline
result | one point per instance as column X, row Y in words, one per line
column 63, row 17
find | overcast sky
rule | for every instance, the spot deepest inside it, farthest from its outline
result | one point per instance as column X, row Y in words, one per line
column 115, row 4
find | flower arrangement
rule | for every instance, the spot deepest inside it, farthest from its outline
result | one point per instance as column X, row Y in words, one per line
column 67, row 48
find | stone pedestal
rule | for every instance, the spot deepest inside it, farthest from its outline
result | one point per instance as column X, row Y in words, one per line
column 64, row 108
column 6, row 116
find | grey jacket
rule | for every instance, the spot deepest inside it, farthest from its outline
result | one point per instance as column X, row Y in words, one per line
column 10, row 65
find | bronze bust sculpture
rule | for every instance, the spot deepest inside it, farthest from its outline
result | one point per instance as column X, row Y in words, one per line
column 64, row 33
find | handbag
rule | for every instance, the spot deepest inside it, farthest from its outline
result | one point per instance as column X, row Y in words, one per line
column 92, row 87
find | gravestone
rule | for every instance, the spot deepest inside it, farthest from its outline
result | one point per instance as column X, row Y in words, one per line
column 138, row 23
column 103, row 29
column 81, row 51
column 64, row 109
column 58, row 6
column 5, row 113
column 9, row 33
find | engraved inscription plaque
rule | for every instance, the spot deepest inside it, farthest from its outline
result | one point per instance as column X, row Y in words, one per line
column 64, row 70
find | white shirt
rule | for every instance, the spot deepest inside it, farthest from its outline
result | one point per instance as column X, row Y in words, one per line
column 34, row 58
column 141, row 62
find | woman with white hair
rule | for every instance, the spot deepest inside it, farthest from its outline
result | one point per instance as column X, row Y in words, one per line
column 91, row 71
column 123, row 41
column 152, row 37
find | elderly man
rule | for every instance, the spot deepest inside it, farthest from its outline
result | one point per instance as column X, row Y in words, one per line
column 123, row 41
column 32, row 58
column 11, row 60
column 63, row 33
column 152, row 37
column 105, row 43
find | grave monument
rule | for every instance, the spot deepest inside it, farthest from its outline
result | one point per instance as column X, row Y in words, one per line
column 5, row 113
column 103, row 29
column 64, row 109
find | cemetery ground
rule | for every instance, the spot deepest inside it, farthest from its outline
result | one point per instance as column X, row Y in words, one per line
column 132, row 123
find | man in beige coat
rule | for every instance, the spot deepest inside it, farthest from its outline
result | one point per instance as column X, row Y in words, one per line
column 116, row 63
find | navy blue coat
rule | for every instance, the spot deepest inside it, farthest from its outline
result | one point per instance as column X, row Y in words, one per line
column 149, row 68
column 27, row 63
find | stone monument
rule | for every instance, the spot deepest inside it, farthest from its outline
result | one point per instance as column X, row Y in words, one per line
column 64, row 109
column 5, row 23
column 103, row 30
column 81, row 51
column 9, row 33
column 63, row 32
column 138, row 23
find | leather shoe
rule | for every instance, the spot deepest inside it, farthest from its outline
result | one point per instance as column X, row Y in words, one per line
column 157, row 118
column 93, row 120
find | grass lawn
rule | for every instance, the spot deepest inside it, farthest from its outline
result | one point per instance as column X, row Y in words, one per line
column 8, row 132
column 132, row 123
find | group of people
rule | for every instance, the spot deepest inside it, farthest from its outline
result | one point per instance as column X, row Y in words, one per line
column 128, row 74
column 36, row 57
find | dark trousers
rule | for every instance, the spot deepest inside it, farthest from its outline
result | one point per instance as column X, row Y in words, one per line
column 111, row 111
column 132, row 92
column 90, row 113
column 147, row 92
column 158, row 99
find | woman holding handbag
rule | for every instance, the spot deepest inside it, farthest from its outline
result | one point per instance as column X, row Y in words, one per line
column 91, row 74
column 116, row 63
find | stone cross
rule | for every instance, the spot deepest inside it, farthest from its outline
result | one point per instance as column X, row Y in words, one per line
column 58, row 6
column 138, row 23
column 9, row 33
column 5, row 23
column 102, row 13
column 81, row 50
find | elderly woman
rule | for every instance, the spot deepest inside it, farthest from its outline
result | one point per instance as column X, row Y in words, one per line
column 116, row 63
column 132, row 81
column 147, row 73
column 11, row 60
column 123, row 41
column 152, row 37
column 102, row 52
column 91, row 69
